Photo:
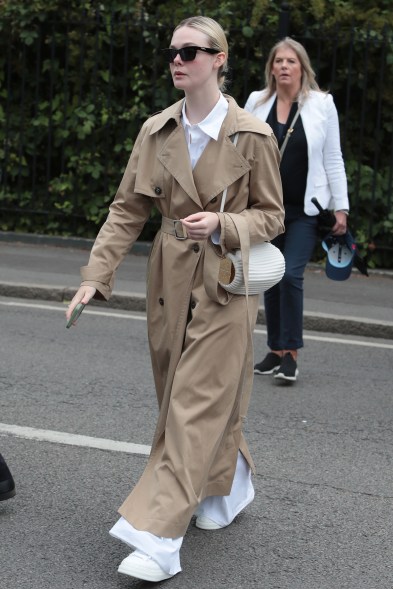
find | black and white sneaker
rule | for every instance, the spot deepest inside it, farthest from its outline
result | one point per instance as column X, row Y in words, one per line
column 288, row 369
column 268, row 365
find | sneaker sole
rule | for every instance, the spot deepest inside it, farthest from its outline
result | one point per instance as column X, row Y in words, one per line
column 140, row 572
column 205, row 523
column 283, row 376
column 8, row 495
column 272, row 371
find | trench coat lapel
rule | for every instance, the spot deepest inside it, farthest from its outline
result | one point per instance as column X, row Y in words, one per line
column 219, row 166
column 174, row 157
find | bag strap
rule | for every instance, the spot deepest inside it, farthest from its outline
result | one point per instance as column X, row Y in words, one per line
column 242, row 230
column 224, row 194
column 244, row 240
column 289, row 132
column 211, row 265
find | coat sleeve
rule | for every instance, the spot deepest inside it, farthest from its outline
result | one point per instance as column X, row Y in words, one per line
column 127, row 216
column 264, row 212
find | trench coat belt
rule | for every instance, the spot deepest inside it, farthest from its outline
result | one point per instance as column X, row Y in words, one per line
column 173, row 227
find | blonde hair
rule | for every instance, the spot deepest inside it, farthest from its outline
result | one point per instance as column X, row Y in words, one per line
column 308, row 81
column 217, row 40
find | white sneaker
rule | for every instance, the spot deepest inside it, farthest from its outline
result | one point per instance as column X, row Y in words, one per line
column 216, row 512
column 205, row 523
column 141, row 566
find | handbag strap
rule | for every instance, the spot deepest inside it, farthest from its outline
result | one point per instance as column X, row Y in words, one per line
column 242, row 230
column 289, row 132
column 211, row 265
column 224, row 194
column 244, row 240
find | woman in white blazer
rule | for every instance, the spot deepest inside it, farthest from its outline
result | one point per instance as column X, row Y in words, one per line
column 311, row 166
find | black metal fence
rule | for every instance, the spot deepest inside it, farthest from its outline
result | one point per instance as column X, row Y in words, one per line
column 75, row 93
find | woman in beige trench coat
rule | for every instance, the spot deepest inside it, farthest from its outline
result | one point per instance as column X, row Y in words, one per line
column 200, row 344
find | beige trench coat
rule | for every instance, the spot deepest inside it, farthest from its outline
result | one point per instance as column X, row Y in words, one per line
column 201, row 349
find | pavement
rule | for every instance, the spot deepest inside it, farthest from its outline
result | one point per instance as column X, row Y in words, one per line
column 47, row 268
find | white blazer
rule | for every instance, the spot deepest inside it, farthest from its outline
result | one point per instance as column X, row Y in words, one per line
column 326, row 178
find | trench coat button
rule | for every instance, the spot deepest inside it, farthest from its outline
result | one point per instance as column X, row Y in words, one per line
column 193, row 304
column 195, row 247
column 161, row 301
column 157, row 190
column 214, row 199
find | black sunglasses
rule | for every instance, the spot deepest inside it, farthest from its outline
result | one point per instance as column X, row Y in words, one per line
column 186, row 53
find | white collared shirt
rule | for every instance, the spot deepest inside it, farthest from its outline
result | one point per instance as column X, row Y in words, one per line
column 199, row 135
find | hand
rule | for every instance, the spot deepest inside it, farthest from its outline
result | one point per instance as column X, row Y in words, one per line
column 201, row 225
column 84, row 294
column 340, row 227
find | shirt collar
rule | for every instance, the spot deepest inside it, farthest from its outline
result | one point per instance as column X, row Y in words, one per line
column 210, row 125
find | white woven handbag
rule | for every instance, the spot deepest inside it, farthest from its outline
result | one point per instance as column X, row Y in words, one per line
column 266, row 267
column 259, row 268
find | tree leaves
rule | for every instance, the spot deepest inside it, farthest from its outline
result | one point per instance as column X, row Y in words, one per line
column 78, row 79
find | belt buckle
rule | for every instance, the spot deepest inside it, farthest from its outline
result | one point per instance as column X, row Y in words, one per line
column 179, row 237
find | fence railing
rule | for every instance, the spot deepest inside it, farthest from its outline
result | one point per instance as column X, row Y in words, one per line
column 75, row 94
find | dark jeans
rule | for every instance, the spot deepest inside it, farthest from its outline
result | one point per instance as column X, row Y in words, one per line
column 284, row 302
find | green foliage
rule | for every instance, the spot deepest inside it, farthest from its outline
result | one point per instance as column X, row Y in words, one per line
column 79, row 77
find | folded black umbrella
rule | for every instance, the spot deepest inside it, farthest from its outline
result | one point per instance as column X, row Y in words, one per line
column 326, row 218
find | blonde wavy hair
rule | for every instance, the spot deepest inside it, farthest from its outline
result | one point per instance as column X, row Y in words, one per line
column 308, row 81
column 217, row 40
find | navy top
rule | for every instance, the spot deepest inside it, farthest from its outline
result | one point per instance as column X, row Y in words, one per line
column 294, row 163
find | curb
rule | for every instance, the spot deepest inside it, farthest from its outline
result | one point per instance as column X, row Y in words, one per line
column 139, row 248
column 137, row 302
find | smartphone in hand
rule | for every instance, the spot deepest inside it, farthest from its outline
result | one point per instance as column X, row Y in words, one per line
column 75, row 314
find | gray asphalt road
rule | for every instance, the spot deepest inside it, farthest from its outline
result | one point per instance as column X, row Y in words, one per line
column 322, row 516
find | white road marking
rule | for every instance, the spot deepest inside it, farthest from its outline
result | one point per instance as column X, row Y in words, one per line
column 86, row 311
column 44, row 435
column 337, row 340
column 118, row 315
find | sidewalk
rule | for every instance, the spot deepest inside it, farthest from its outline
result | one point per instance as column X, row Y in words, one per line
column 47, row 268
